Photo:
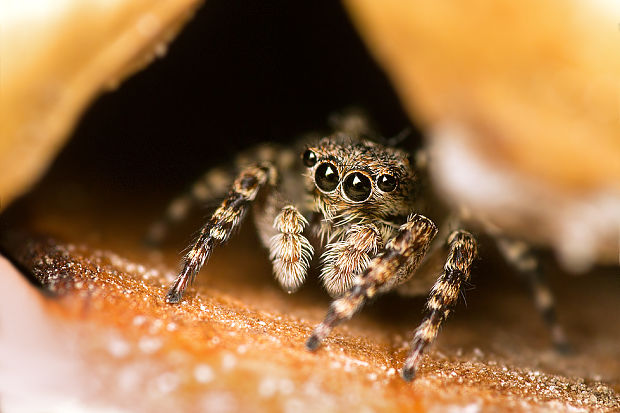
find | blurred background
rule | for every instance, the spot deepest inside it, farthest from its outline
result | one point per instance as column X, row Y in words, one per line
column 239, row 74
column 515, row 102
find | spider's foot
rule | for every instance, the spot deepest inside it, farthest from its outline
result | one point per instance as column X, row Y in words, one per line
column 173, row 296
column 183, row 280
column 155, row 236
column 560, row 342
column 563, row 347
column 313, row 343
column 412, row 362
column 321, row 331
column 411, row 366
column 408, row 373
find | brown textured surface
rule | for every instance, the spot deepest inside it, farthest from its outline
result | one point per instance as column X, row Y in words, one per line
column 236, row 342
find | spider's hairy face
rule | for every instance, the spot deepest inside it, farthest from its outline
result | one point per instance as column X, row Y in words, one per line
column 358, row 180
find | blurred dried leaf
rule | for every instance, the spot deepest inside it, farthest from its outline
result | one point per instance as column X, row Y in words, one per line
column 521, row 101
column 57, row 55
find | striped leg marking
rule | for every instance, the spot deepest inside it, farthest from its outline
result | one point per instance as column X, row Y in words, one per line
column 523, row 258
column 442, row 298
column 406, row 248
column 289, row 251
column 224, row 221
column 211, row 186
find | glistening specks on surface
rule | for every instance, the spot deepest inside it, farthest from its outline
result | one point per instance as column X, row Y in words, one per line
column 221, row 350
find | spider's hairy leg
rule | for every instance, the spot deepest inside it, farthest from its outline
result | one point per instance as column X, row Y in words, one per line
column 211, row 186
column 224, row 221
column 344, row 260
column 406, row 249
column 290, row 251
column 443, row 296
column 524, row 259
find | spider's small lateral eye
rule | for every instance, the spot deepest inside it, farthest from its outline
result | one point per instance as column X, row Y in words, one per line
column 309, row 158
column 386, row 183
column 326, row 177
column 357, row 187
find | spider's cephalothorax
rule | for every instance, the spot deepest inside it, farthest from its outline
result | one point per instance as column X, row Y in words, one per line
column 360, row 202
column 359, row 181
column 362, row 192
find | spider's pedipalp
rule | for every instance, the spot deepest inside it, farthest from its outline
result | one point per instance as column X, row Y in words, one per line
column 406, row 249
column 224, row 221
column 289, row 251
column 344, row 260
column 443, row 296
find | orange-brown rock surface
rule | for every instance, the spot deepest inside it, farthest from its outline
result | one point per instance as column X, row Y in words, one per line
column 98, row 334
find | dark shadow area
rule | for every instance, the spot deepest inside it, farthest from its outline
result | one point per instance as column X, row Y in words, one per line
column 239, row 73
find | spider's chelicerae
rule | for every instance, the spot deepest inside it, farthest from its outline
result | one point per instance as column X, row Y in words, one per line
column 361, row 203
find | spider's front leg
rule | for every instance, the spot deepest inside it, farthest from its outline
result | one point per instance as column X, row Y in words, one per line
column 443, row 296
column 224, row 221
column 402, row 253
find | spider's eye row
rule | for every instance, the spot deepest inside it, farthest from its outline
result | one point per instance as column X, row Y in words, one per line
column 357, row 187
column 309, row 158
column 326, row 177
column 387, row 183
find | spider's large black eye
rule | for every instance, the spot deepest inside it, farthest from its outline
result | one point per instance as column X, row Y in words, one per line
column 357, row 187
column 386, row 183
column 326, row 177
column 309, row 158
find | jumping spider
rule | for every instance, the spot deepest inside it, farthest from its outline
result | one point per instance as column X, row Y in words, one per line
column 361, row 202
